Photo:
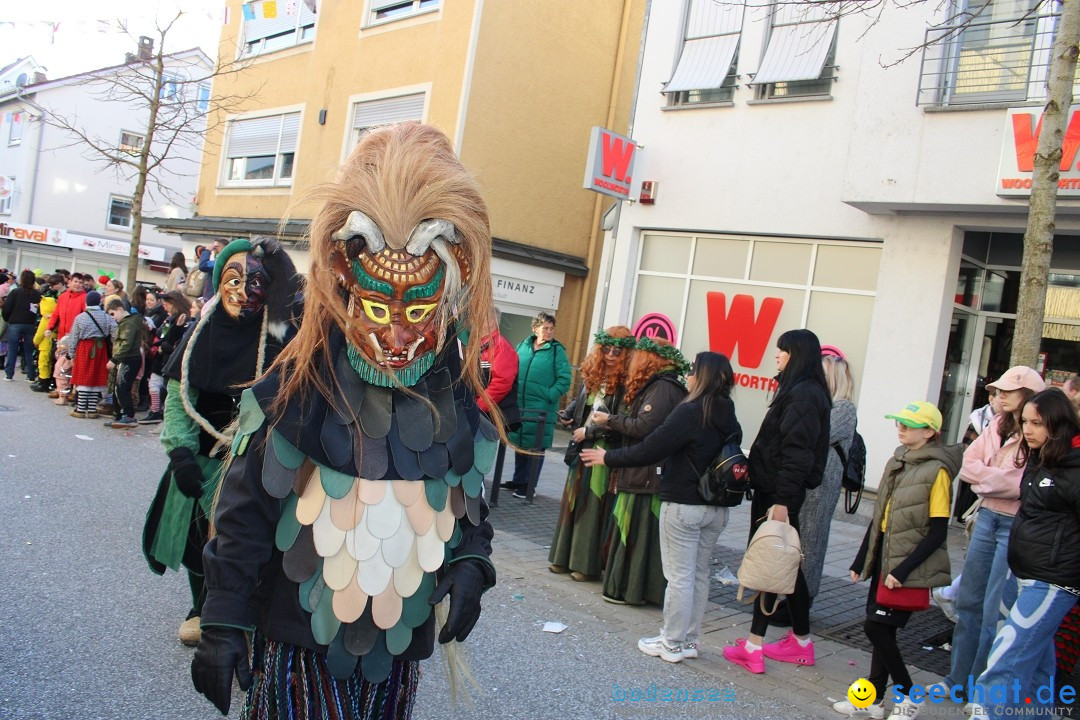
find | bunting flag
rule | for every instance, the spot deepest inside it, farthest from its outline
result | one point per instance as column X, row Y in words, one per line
column 269, row 8
column 225, row 15
column 310, row 5
column 249, row 11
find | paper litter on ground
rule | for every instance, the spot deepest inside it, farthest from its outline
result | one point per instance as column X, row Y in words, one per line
column 554, row 627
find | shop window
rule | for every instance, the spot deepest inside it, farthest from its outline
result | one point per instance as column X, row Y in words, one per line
column 275, row 26
column 800, row 57
column 389, row 10
column 847, row 266
column 713, row 253
column 665, row 253
column 119, row 213
column 384, row 111
column 781, row 262
column 131, row 142
column 7, row 196
column 15, row 127
column 708, row 56
column 262, row 151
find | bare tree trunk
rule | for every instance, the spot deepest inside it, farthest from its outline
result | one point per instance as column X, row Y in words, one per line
column 140, row 182
column 1039, row 237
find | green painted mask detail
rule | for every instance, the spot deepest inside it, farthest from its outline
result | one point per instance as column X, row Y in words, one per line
column 407, row 376
column 426, row 290
column 369, row 283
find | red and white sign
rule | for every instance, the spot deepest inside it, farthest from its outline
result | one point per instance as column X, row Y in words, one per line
column 742, row 333
column 7, row 187
column 610, row 165
column 1021, row 138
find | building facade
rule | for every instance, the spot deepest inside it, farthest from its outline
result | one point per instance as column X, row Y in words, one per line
column 823, row 172
column 516, row 95
column 61, row 206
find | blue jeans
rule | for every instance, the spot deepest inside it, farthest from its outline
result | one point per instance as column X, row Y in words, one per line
column 521, row 468
column 688, row 534
column 987, row 591
column 1023, row 651
column 24, row 332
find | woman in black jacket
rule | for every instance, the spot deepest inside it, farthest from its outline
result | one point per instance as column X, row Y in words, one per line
column 787, row 458
column 1044, row 554
column 21, row 314
column 690, row 438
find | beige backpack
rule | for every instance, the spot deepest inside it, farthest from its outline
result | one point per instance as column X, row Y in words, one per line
column 771, row 562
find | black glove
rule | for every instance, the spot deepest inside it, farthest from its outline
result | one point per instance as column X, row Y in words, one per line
column 186, row 472
column 465, row 583
column 221, row 652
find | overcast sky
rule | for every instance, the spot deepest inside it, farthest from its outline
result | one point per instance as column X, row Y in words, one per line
column 73, row 36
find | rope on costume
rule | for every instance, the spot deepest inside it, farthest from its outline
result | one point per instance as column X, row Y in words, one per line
column 459, row 674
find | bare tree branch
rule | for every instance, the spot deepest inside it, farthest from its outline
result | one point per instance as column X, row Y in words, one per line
column 165, row 87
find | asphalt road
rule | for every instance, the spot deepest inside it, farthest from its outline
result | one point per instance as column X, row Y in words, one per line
column 89, row 632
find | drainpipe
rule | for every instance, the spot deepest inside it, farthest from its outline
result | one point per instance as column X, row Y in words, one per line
column 613, row 98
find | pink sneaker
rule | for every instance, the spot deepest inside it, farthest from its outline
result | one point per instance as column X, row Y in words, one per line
column 738, row 654
column 789, row 650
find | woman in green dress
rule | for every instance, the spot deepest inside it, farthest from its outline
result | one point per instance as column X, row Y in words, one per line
column 585, row 512
column 633, row 574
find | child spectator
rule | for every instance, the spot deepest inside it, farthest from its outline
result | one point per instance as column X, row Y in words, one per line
column 165, row 340
column 62, row 372
column 904, row 546
column 88, row 347
column 128, row 341
column 44, row 343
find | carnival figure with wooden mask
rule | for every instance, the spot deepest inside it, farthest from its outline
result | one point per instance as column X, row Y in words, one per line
column 353, row 501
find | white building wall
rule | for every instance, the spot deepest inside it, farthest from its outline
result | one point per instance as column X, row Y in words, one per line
column 805, row 167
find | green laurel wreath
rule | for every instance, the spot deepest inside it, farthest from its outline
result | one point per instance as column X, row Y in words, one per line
column 668, row 352
column 602, row 338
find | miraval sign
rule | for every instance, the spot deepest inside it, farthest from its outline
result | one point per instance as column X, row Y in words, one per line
column 1019, row 140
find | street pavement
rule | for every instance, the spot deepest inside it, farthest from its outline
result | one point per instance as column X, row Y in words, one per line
column 90, row 632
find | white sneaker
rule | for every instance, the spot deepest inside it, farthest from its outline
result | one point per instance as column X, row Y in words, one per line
column 656, row 647
column 947, row 605
column 906, row 710
column 689, row 650
column 875, row 712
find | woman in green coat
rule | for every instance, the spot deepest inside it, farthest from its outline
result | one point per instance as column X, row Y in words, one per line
column 543, row 378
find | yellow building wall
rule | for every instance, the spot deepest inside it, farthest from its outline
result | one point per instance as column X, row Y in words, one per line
column 344, row 60
column 544, row 74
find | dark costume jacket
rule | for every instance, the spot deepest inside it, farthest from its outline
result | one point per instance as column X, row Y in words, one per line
column 337, row 517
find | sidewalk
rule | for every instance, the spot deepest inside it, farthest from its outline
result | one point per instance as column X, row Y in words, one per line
column 523, row 535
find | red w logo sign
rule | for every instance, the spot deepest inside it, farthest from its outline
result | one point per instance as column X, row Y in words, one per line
column 738, row 328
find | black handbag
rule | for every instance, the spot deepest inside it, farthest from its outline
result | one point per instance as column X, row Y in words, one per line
column 727, row 479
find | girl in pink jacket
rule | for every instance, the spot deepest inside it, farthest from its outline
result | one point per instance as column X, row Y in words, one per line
column 990, row 468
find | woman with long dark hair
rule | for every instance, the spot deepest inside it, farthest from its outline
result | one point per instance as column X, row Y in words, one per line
column 1044, row 554
column 990, row 468
column 177, row 272
column 690, row 438
column 21, row 314
column 787, row 459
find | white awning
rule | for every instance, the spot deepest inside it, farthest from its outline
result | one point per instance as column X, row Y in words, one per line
column 712, row 38
column 796, row 52
column 704, row 63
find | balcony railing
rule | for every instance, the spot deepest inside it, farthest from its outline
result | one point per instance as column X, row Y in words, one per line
column 987, row 62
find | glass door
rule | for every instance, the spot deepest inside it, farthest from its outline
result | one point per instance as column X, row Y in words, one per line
column 956, row 384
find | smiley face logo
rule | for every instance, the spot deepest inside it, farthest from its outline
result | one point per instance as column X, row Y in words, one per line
column 862, row 693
